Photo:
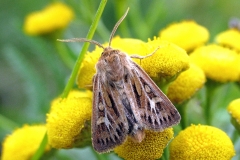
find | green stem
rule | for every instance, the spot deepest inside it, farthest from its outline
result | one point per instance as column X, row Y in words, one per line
column 163, row 157
column 210, row 90
column 236, row 126
column 182, row 108
column 163, row 85
column 41, row 148
column 235, row 136
column 90, row 34
column 7, row 124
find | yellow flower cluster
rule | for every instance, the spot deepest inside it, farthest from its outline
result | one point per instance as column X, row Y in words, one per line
column 219, row 63
column 186, row 34
column 23, row 142
column 150, row 148
column 168, row 60
column 53, row 17
column 67, row 118
column 234, row 109
column 186, row 84
column 201, row 142
column 229, row 38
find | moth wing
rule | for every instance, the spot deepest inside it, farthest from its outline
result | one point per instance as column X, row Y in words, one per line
column 109, row 124
column 156, row 111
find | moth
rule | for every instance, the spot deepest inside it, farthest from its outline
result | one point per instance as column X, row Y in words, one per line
column 126, row 101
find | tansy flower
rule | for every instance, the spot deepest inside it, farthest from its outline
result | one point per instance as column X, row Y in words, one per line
column 186, row 34
column 201, row 142
column 218, row 63
column 186, row 84
column 67, row 119
column 234, row 110
column 53, row 17
column 168, row 61
column 150, row 148
column 23, row 142
column 229, row 38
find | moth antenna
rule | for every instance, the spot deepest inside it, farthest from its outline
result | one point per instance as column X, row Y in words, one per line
column 81, row 40
column 116, row 26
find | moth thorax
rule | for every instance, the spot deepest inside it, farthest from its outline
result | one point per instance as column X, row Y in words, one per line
column 113, row 66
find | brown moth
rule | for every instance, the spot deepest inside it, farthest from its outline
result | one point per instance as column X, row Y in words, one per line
column 126, row 101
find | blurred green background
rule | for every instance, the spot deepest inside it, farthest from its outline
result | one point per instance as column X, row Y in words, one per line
column 32, row 73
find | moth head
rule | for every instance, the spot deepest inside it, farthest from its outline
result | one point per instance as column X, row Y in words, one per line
column 110, row 59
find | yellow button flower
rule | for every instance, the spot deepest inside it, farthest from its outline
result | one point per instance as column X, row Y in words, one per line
column 186, row 84
column 67, row 119
column 168, row 61
column 186, row 34
column 218, row 63
column 234, row 110
column 23, row 142
column 53, row 17
column 201, row 142
column 229, row 38
column 150, row 148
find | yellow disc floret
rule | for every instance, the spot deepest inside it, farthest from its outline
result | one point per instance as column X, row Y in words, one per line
column 168, row 61
column 186, row 34
column 229, row 38
column 150, row 148
column 67, row 118
column 218, row 63
column 234, row 109
column 53, row 17
column 23, row 142
column 201, row 142
column 186, row 84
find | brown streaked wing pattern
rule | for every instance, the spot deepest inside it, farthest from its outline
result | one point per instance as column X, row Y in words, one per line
column 156, row 110
column 109, row 124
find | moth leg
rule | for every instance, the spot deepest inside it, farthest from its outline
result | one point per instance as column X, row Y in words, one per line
column 142, row 57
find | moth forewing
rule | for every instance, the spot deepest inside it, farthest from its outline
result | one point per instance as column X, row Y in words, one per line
column 109, row 124
column 158, row 113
